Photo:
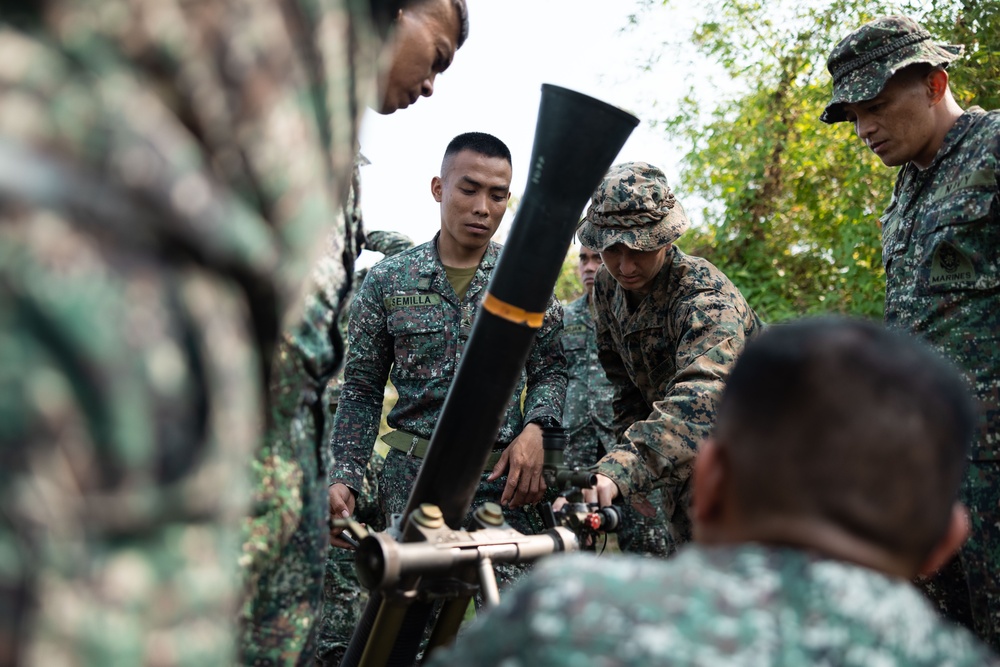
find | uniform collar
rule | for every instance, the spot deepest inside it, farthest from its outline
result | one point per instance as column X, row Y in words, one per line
column 432, row 269
column 956, row 134
column 487, row 263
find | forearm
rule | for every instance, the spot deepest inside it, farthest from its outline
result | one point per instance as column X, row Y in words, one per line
column 544, row 400
column 359, row 409
column 546, row 370
column 355, row 429
column 660, row 449
column 629, row 408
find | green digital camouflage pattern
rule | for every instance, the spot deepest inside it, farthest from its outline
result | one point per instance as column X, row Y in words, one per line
column 287, row 532
column 712, row 607
column 940, row 236
column 668, row 361
column 864, row 61
column 588, row 417
column 343, row 598
column 166, row 172
column 408, row 325
column 388, row 243
column 981, row 553
column 633, row 206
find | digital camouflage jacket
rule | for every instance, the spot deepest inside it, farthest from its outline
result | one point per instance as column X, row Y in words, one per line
column 668, row 361
column 167, row 172
column 408, row 325
column 588, row 414
column 940, row 241
column 707, row 607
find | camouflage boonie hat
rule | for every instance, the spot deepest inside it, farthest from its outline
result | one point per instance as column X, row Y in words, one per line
column 634, row 206
column 864, row 61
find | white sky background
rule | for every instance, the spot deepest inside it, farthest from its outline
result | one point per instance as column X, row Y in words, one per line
column 494, row 86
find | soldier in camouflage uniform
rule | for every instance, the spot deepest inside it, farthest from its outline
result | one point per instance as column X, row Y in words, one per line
column 411, row 321
column 343, row 596
column 669, row 327
column 588, row 415
column 286, row 544
column 287, row 531
column 831, row 478
column 940, row 235
column 166, row 172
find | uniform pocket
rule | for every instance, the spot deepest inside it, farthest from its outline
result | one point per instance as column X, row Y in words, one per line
column 421, row 342
column 959, row 249
column 574, row 342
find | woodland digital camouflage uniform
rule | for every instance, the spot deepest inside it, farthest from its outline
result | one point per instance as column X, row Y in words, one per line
column 940, row 235
column 343, row 597
column 166, row 170
column 407, row 319
column 669, row 357
column 588, row 417
column 735, row 605
column 668, row 361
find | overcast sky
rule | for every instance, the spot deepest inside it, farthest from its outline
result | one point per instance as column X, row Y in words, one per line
column 494, row 86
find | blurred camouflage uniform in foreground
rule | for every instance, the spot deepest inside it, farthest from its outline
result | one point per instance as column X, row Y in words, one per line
column 166, row 170
column 740, row 605
column 667, row 357
column 940, row 240
column 287, row 532
column 588, row 417
column 343, row 598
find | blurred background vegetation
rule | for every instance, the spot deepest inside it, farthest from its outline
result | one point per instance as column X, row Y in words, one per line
column 792, row 205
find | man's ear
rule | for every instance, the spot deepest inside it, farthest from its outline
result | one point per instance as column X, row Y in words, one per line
column 437, row 188
column 936, row 84
column 711, row 473
column 948, row 546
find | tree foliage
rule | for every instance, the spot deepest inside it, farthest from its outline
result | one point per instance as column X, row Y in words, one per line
column 793, row 204
column 976, row 24
column 568, row 285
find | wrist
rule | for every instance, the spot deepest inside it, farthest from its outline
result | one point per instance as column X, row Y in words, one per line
column 545, row 422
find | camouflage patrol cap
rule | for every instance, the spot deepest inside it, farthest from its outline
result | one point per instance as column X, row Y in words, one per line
column 864, row 61
column 634, row 206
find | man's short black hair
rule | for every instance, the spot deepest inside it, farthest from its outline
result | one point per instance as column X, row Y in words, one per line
column 384, row 13
column 477, row 142
column 843, row 420
column 460, row 7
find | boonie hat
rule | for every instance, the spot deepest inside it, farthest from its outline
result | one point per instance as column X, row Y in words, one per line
column 634, row 206
column 864, row 61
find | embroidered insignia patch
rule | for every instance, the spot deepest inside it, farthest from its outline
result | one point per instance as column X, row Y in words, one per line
column 950, row 265
column 976, row 179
